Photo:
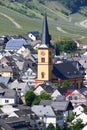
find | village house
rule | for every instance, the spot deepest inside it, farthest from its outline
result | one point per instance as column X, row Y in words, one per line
column 49, row 88
column 15, row 44
column 45, row 113
column 35, row 35
column 61, row 108
column 8, row 96
column 77, row 97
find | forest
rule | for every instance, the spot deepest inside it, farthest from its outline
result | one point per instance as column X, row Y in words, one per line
column 73, row 5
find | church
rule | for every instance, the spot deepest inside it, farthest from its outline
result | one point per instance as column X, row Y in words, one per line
column 49, row 71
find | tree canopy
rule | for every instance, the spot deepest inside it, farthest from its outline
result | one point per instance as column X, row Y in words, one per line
column 73, row 5
column 65, row 46
column 29, row 97
column 32, row 99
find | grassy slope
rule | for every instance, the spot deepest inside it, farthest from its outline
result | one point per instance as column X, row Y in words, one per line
column 55, row 18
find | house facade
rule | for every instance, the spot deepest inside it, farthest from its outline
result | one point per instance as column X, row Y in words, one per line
column 76, row 97
column 8, row 96
column 45, row 113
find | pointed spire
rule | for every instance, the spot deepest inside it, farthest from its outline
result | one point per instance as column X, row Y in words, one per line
column 45, row 41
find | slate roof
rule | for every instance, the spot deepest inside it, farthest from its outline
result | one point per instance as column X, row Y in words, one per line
column 45, row 102
column 15, row 44
column 30, row 48
column 23, row 112
column 35, row 33
column 7, row 93
column 5, row 126
column 61, row 105
column 4, row 80
column 42, row 110
column 5, row 68
column 14, row 119
column 66, row 70
column 46, row 85
column 83, row 91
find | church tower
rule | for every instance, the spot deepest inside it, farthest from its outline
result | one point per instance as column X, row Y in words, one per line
column 45, row 65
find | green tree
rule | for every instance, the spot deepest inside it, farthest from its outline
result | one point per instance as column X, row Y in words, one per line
column 42, row 96
column 76, row 125
column 65, row 84
column 70, row 117
column 67, row 46
column 29, row 97
column 85, row 109
column 45, row 96
column 36, row 100
column 57, row 48
column 50, row 127
column 58, row 127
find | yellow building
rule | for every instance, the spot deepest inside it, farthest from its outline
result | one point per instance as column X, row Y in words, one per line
column 47, row 71
column 45, row 52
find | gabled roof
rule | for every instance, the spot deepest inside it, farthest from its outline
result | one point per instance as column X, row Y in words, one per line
column 4, row 80
column 45, row 102
column 35, row 33
column 41, row 110
column 61, row 105
column 23, row 112
column 68, row 92
column 78, row 110
column 17, row 84
column 7, row 93
column 46, row 86
column 66, row 70
column 83, row 117
column 5, row 126
column 4, row 68
column 15, row 44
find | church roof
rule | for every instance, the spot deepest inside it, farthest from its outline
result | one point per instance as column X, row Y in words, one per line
column 66, row 70
column 45, row 40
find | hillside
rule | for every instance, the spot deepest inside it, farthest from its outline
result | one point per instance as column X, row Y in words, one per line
column 23, row 16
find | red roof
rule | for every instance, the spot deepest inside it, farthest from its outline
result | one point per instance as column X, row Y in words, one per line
column 68, row 92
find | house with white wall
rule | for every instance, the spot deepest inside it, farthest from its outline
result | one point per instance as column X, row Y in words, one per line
column 45, row 113
column 8, row 96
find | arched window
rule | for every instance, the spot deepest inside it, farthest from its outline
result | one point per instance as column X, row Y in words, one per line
column 43, row 60
column 42, row 74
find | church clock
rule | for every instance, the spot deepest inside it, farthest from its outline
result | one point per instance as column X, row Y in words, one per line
column 42, row 53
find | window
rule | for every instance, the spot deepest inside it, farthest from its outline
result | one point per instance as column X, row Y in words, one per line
column 70, row 97
column 42, row 74
column 42, row 59
column 6, row 101
column 75, row 97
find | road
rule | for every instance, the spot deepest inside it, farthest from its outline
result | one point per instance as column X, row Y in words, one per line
column 12, row 20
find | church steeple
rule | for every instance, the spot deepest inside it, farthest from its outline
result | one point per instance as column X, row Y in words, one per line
column 45, row 41
column 44, row 55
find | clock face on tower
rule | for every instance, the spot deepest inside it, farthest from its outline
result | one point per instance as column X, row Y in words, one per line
column 42, row 53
